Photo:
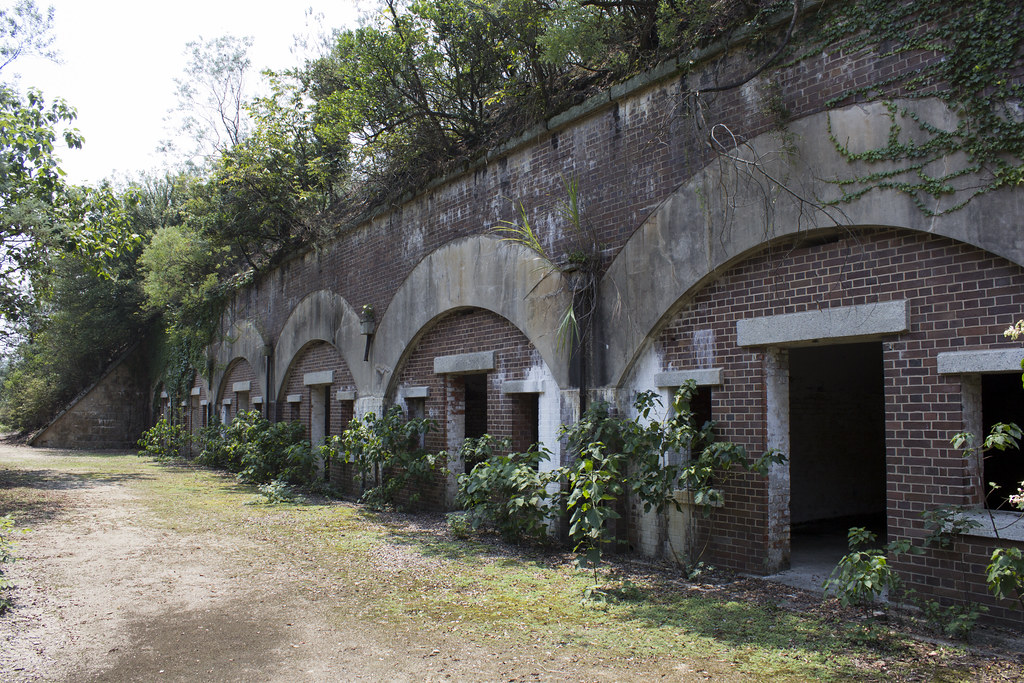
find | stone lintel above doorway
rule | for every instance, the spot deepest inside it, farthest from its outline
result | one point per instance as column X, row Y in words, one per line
column 523, row 386
column 464, row 363
column 980, row 362
column 312, row 379
column 705, row 377
column 847, row 323
column 417, row 392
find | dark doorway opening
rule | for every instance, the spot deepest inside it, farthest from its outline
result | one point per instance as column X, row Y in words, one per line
column 476, row 410
column 700, row 404
column 476, row 405
column 837, row 448
column 1002, row 400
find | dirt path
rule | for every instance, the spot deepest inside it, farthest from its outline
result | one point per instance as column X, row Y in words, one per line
column 104, row 593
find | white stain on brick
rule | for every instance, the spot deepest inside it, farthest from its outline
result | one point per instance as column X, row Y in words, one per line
column 704, row 348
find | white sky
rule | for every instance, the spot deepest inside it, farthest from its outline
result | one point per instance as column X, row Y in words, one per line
column 120, row 58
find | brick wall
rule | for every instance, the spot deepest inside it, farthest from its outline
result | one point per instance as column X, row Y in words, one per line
column 112, row 414
column 240, row 371
column 316, row 357
column 198, row 410
column 628, row 158
column 468, row 331
column 960, row 298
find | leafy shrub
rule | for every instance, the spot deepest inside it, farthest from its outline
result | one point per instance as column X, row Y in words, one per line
column 863, row 574
column 275, row 492
column 1005, row 573
column 507, row 492
column 165, row 440
column 28, row 395
column 614, row 456
column 260, row 451
column 595, row 482
column 387, row 449
column 6, row 556
column 216, row 450
column 459, row 525
column 952, row 620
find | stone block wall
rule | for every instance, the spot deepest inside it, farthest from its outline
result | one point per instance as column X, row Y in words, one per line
column 112, row 414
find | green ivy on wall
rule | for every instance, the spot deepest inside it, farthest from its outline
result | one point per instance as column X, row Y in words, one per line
column 975, row 64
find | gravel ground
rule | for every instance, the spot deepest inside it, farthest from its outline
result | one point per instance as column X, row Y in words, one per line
column 104, row 592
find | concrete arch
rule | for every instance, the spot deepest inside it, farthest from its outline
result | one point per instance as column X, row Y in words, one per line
column 320, row 316
column 478, row 272
column 728, row 210
column 243, row 340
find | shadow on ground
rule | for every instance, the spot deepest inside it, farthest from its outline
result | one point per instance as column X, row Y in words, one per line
column 38, row 495
column 213, row 645
column 429, row 535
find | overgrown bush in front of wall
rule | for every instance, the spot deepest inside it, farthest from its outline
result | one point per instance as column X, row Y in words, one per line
column 386, row 452
column 616, row 456
column 507, row 491
column 612, row 457
column 216, row 450
column 259, row 450
column 165, row 440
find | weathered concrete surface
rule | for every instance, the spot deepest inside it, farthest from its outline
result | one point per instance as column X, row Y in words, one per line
column 979, row 362
column 479, row 272
column 321, row 316
column 775, row 186
column 477, row 361
column 841, row 322
column 242, row 341
column 318, row 378
column 705, row 377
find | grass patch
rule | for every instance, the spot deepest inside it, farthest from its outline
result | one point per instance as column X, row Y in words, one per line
column 412, row 574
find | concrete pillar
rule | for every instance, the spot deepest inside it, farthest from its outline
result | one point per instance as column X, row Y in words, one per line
column 368, row 404
column 776, row 365
column 455, row 427
column 568, row 414
column 318, row 397
column 549, row 411
column 970, row 397
column 318, row 414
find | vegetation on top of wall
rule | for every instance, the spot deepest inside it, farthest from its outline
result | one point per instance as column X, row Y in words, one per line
column 423, row 87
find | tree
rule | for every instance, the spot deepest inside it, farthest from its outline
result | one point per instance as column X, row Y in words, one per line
column 211, row 97
column 24, row 30
column 76, row 327
column 40, row 216
column 419, row 88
